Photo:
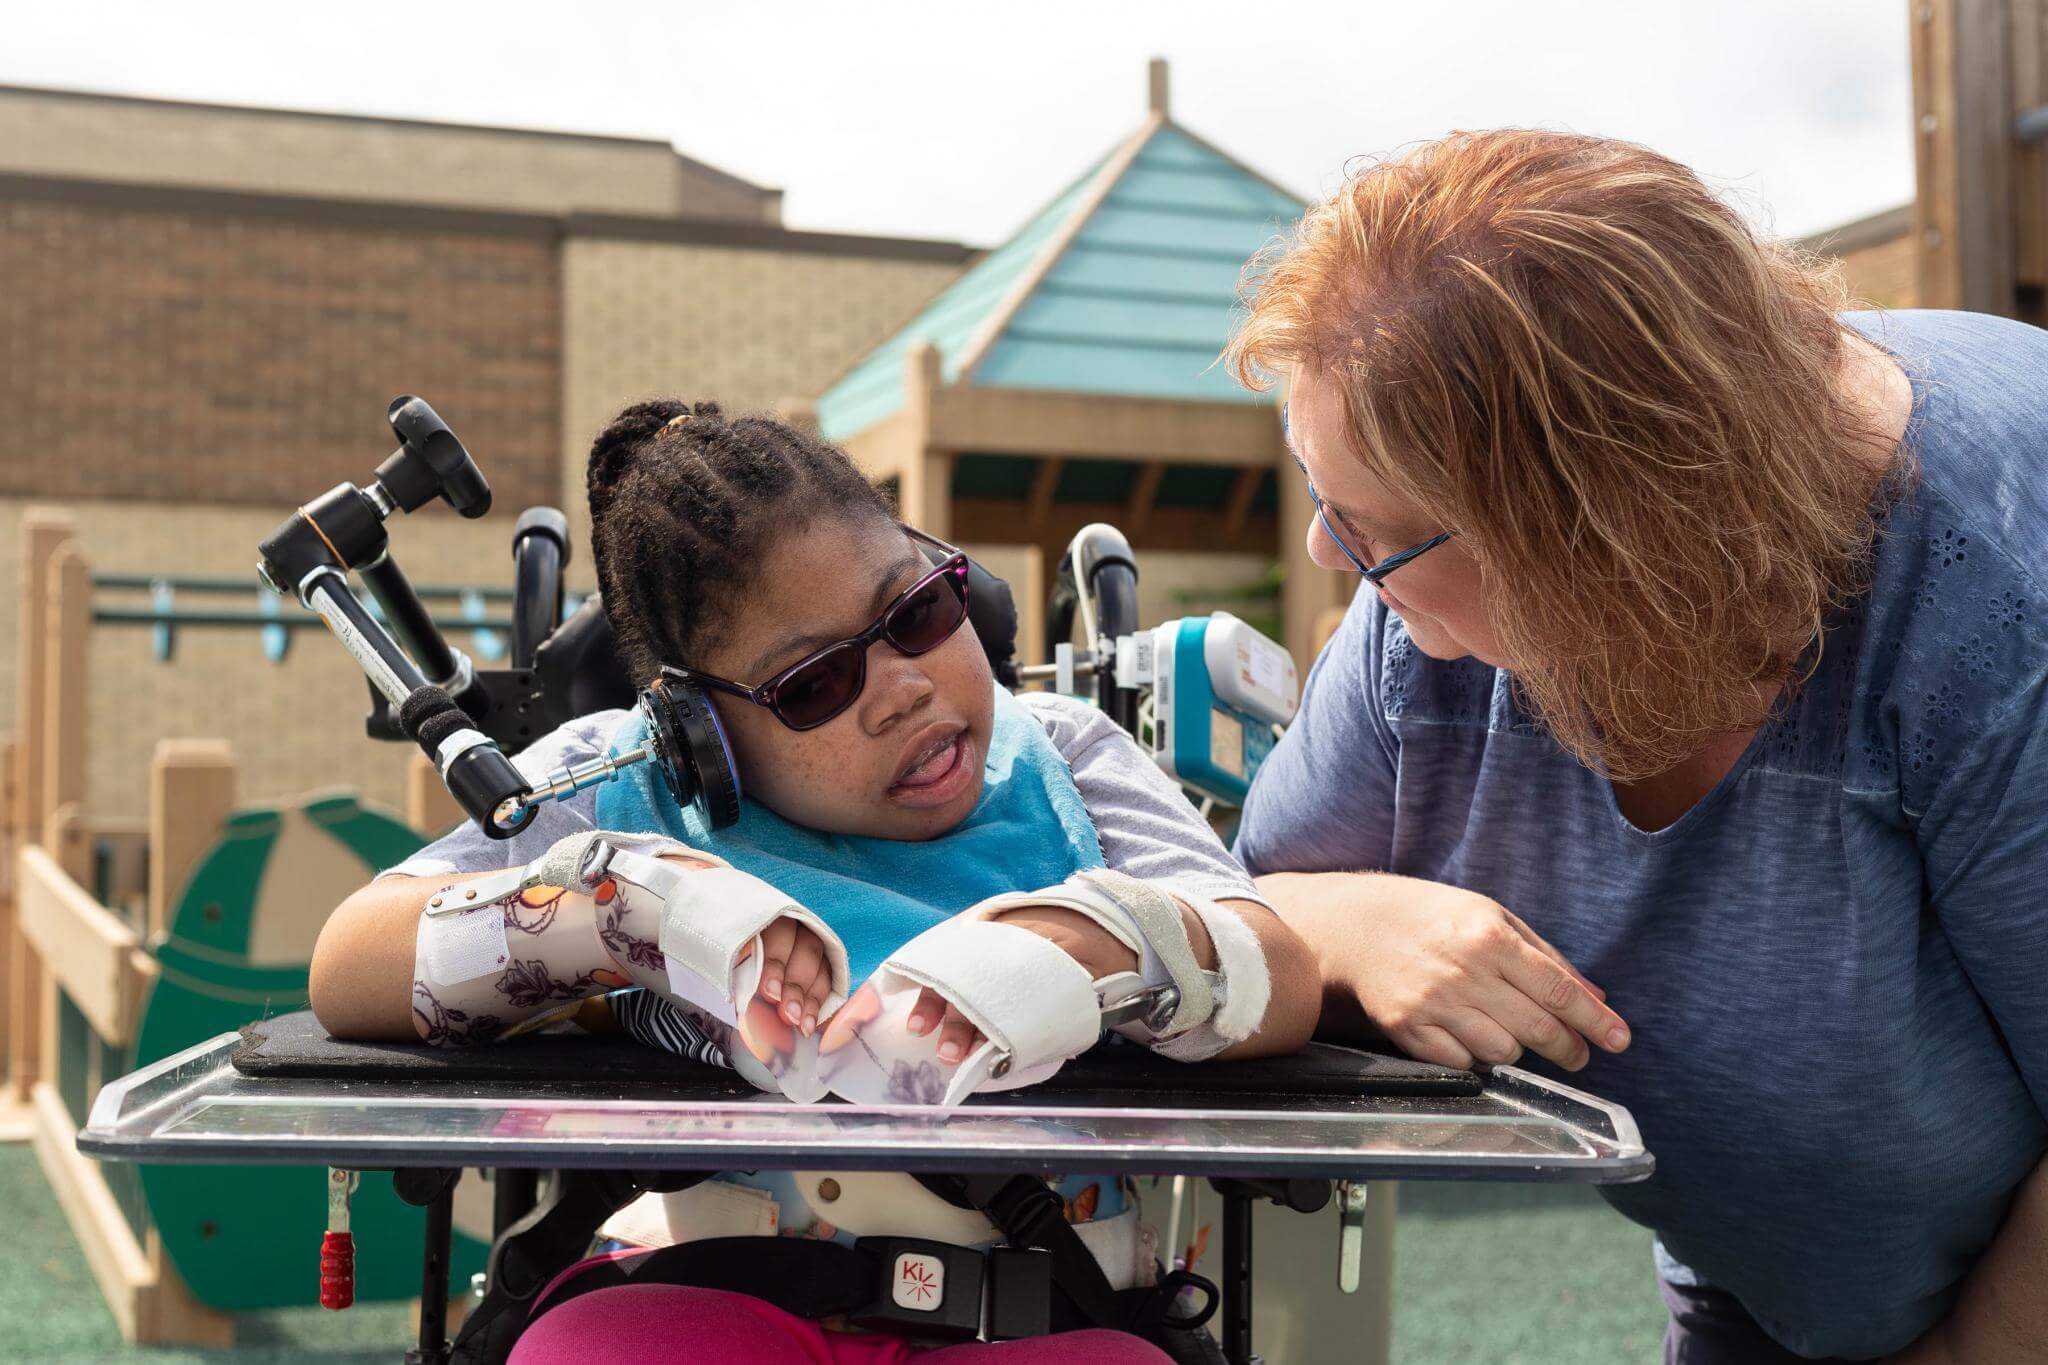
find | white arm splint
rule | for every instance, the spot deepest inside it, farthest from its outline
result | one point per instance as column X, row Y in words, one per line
column 712, row 919
column 705, row 918
column 1034, row 1005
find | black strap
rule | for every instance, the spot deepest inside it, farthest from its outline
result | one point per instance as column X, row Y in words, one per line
column 1029, row 1214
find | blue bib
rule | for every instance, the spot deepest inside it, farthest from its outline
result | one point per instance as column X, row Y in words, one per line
column 1029, row 830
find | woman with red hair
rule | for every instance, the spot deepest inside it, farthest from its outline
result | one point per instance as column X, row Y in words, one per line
column 1703, row 655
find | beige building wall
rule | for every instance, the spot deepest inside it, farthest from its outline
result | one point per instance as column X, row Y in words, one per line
column 296, row 726
column 271, row 151
column 748, row 327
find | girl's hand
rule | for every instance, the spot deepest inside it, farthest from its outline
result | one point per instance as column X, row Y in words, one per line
column 1449, row 975
column 796, row 976
column 1098, row 951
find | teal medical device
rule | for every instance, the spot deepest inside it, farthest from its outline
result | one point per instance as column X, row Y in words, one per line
column 1221, row 693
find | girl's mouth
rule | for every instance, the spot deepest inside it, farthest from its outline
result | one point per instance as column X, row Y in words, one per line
column 937, row 773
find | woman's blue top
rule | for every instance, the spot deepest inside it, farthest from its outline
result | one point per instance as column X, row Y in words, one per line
column 1835, row 966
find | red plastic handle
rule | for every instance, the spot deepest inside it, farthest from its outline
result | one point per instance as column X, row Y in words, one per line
column 337, row 1270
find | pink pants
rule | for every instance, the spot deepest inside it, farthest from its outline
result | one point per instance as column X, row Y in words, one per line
column 659, row 1323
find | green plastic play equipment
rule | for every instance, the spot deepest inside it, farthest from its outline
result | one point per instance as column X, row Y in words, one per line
column 248, row 1237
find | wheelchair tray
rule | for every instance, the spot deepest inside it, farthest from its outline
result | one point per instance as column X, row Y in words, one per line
column 1413, row 1122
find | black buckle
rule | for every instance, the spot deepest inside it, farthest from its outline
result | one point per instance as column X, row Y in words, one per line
column 1023, row 1208
column 1019, row 1293
column 929, row 1288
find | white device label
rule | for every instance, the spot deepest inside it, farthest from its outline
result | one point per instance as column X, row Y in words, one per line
column 1226, row 742
column 919, row 1282
column 1261, row 668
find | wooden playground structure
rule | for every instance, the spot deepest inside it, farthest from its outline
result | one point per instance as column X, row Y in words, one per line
column 83, row 904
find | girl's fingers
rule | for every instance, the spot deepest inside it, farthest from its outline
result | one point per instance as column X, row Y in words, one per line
column 957, row 1037
column 806, row 956
column 820, row 991
column 776, row 942
column 927, row 1012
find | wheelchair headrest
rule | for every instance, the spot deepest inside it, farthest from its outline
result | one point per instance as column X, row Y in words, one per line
column 577, row 668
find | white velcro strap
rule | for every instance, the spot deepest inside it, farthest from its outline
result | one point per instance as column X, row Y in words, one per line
column 1247, row 986
column 1145, row 920
column 564, row 862
column 1034, row 1004
column 1166, row 934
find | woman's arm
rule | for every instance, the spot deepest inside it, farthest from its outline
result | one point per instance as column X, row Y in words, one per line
column 1449, row 975
column 2002, row 1316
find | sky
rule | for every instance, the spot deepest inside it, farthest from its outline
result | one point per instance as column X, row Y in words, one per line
column 957, row 120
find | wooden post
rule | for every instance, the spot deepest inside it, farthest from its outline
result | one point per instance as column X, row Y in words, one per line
column 44, row 530
column 1964, row 154
column 191, row 792
column 925, row 497
column 2030, row 170
column 66, row 689
column 1309, row 590
column 428, row 806
column 1157, row 82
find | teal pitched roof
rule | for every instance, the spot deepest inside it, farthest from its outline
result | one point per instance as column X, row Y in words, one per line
column 1124, row 284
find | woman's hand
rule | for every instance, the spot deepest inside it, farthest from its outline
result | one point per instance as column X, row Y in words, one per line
column 1449, row 975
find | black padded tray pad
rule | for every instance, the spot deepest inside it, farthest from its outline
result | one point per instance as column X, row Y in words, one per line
column 294, row 1046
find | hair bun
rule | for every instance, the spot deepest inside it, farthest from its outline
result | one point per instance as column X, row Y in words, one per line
column 615, row 448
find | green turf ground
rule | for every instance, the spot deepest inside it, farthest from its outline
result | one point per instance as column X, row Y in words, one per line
column 1483, row 1275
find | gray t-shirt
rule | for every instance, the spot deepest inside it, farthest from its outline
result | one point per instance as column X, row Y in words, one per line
column 1145, row 823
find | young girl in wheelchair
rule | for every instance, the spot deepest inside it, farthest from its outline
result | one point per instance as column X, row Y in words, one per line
column 932, row 887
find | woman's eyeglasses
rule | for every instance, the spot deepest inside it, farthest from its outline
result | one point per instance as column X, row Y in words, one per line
column 1371, row 573
column 822, row 684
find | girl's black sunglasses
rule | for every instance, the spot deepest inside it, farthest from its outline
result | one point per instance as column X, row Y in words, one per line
column 822, row 684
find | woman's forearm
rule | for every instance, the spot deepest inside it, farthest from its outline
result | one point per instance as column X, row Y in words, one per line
column 2002, row 1316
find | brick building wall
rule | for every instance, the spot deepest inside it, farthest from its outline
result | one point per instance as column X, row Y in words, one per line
column 746, row 326
column 278, row 151
column 184, row 363
column 190, row 346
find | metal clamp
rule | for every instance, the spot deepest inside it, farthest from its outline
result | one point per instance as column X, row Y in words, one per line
column 1350, row 1234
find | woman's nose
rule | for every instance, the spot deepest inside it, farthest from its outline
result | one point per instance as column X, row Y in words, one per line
column 1323, row 551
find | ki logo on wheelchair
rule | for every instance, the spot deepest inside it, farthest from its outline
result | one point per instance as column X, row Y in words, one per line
column 919, row 1282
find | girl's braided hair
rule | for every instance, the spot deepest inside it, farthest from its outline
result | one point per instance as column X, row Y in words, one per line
column 683, row 505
